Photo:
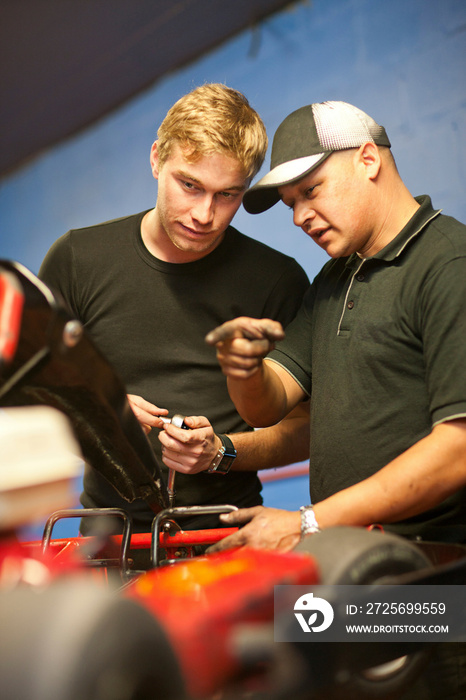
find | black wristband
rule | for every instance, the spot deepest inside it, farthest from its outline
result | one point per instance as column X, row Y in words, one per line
column 224, row 458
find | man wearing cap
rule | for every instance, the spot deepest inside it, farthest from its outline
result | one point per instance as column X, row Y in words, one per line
column 378, row 346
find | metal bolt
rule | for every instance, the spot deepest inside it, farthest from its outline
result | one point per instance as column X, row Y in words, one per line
column 72, row 333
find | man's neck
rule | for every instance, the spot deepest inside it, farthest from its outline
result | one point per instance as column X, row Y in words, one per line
column 149, row 235
column 394, row 213
column 160, row 246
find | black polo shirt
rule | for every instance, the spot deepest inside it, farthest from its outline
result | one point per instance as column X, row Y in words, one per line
column 379, row 345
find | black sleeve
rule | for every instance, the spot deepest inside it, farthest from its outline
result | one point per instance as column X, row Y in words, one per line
column 57, row 272
column 287, row 295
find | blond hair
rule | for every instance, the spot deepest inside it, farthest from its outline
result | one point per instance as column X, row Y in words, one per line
column 214, row 118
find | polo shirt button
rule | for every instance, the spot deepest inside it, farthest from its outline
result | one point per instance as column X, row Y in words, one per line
column 350, row 304
column 361, row 277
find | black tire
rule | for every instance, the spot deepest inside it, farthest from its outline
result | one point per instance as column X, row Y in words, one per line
column 353, row 556
column 74, row 641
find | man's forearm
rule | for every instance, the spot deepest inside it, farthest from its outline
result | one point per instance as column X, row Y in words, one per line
column 262, row 395
column 275, row 446
column 267, row 396
column 417, row 480
column 258, row 399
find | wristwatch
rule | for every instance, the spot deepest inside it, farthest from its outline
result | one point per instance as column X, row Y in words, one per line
column 309, row 524
column 221, row 464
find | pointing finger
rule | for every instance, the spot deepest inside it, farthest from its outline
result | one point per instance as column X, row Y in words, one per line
column 249, row 328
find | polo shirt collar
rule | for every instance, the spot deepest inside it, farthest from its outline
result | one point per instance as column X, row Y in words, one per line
column 413, row 228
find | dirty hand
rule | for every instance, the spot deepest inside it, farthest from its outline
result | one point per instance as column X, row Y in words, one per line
column 189, row 451
column 265, row 528
column 243, row 343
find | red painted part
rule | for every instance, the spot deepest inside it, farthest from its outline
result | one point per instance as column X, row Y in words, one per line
column 201, row 602
column 29, row 566
column 142, row 540
column 11, row 309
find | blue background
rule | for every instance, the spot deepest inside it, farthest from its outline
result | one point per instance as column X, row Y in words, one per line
column 403, row 62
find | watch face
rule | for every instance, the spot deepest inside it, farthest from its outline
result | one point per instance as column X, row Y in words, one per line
column 225, row 457
column 225, row 464
column 229, row 455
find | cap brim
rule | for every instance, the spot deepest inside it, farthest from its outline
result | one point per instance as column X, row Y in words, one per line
column 264, row 194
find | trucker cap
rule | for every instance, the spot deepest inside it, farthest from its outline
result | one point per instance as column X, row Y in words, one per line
column 304, row 140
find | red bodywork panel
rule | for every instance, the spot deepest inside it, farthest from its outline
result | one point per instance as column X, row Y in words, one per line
column 200, row 602
column 11, row 308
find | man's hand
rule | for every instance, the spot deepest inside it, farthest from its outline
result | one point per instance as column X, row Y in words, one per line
column 266, row 528
column 189, row 451
column 243, row 343
column 147, row 413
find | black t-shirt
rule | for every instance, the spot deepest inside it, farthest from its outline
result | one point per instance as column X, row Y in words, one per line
column 380, row 347
column 150, row 318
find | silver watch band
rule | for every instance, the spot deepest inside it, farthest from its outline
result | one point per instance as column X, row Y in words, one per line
column 309, row 524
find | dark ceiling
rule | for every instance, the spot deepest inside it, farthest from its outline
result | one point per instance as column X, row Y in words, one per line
column 65, row 63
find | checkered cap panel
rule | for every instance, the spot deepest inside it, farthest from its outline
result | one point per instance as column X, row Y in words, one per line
column 340, row 125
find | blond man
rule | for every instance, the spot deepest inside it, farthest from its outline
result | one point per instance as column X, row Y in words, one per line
column 149, row 286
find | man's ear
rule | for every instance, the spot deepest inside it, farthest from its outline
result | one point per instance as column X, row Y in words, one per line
column 154, row 160
column 368, row 156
